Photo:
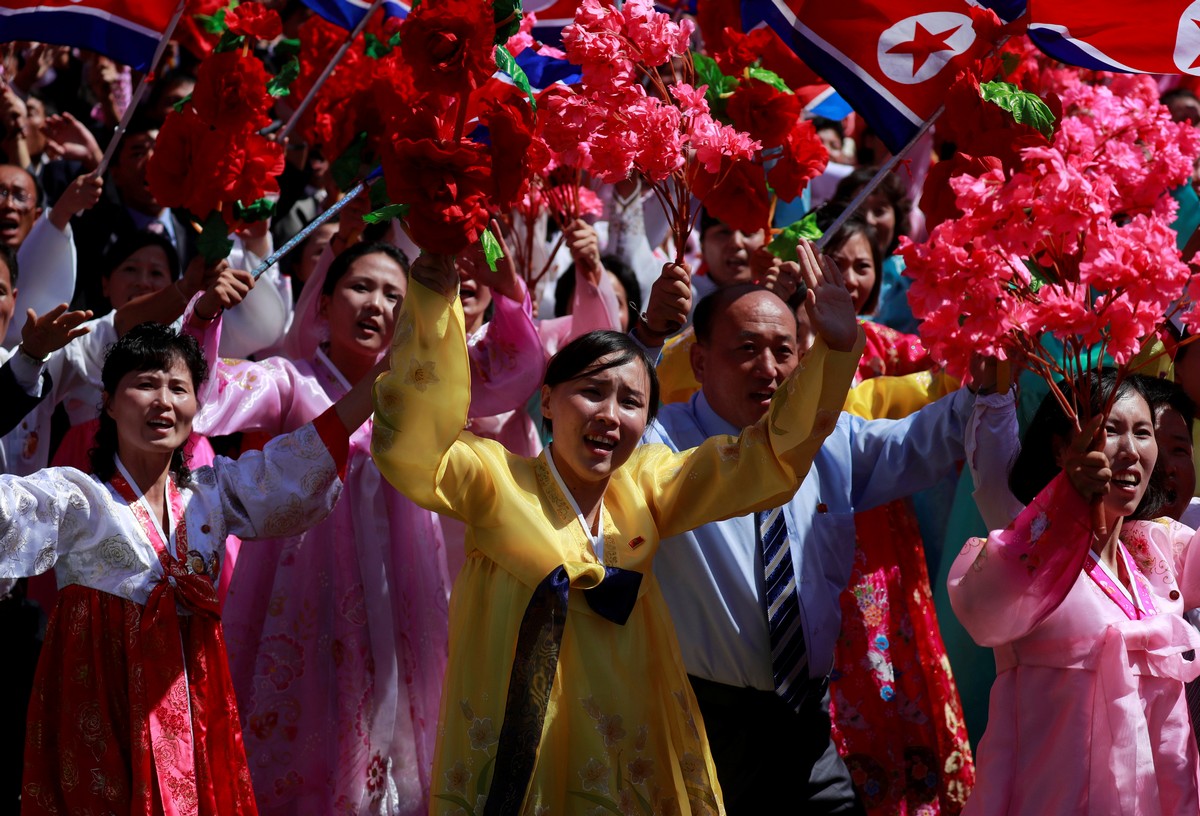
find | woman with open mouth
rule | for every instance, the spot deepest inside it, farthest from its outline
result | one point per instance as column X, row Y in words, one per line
column 565, row 689
column 1087, row 713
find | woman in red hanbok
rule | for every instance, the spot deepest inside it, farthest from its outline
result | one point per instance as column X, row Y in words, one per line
column 133, row 710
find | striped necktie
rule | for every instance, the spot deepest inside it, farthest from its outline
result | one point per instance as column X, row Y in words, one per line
column 789, row 655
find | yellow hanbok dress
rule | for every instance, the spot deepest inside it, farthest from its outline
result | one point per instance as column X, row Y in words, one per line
column 565, row 690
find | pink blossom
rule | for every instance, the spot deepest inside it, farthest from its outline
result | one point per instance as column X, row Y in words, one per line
column 524, row 37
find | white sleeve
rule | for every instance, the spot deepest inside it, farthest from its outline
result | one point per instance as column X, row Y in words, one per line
column 992, row 443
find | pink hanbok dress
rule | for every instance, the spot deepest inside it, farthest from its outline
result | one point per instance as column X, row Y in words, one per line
column 338, row 637
column 1087, row 713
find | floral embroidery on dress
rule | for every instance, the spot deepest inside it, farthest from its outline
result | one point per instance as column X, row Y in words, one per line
column 457, row 780
column 421, row 374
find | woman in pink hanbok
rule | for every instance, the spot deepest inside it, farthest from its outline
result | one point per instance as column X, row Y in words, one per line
column 338, row 637
column 1087, row 713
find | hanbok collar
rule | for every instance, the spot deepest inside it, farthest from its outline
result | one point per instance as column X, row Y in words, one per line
column 337, row 375
column 597, row 538
column 1135, row 602
column 161, row 540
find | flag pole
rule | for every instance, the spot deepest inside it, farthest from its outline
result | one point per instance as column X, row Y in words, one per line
column 333, row 63
column 876, row 180
column 138, row 93
column 299, row 237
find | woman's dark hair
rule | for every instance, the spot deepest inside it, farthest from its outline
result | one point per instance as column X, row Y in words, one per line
column 856, row 224
column 146, row 347
column 891, row 188
column 1050, row 430
column 581, row 358
column 564, row 290
column 118, row 253
column 342, row 263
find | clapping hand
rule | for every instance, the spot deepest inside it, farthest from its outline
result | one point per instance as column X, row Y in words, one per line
column 828, row 302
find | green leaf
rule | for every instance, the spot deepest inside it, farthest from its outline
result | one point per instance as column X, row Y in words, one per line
column 280, row 84
column 1026, row 108
column 770, row 77
column 386, row 213
column 375, row 48
column 507, row 14
column 783, row 245
column 260, row 210
column 709, row 73
column 213, row 24
column 287, row 48
column 1038, row 275
column 491, row 249
column 214, row 243
column 229, row 42
column 347, row 167
column 607, row 804
column 457, row 800
column 182, row 103
column 507, row 63
column 482, row 779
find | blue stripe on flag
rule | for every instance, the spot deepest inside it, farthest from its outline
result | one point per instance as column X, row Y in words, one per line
column 348, row 13
column 79, row 29
column 1063, row 48
column 895, row 126
column 544, row 71
column 1006, row 10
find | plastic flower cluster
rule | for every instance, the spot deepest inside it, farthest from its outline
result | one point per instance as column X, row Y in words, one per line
column 638, row 110
column 1069, row 237
column 209, row 157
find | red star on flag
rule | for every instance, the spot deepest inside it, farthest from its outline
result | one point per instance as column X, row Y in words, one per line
column 924, row 44
column 1196, row 61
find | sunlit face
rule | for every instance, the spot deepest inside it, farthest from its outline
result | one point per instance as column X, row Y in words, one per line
column 361, row 310
column 473, row 295
column 598, row 420
column 751, row 351
column 727, row 253
column 18, row 204
column 882, row 216
column 1132, row 450
column 1175, row 452
column 145, row 271
column 857, row 263
column 8, row 298
column 153, row 410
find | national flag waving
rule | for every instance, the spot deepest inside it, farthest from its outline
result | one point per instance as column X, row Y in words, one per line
column 552, row 17
column 128, row 31
column 1107, row 36
column 349, row 13
column 892, row 61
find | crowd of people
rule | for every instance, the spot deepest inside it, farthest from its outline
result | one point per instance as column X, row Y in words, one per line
column 392, row 532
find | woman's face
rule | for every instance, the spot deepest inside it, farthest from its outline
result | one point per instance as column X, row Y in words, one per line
column 857, row 263
column 882, row 216
column 153, row 410
column 598, row 420
column 473, row 295
column 1132, row 451
column 142, row 273
column 361, row 310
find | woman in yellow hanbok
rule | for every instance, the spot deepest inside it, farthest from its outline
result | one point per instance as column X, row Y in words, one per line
column 565, row 691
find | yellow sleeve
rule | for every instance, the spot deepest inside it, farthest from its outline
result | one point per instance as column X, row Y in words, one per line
column 761, row 468
column 676, row 382
column 418, row 441
column 897, row 397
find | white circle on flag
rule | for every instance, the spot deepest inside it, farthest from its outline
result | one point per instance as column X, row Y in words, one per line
column 1187, row 41
column 918, row 47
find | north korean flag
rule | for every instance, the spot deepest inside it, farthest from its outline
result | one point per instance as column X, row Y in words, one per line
column 349, row 13
column 128, row 31
column 1107, row 36
column 891, row 61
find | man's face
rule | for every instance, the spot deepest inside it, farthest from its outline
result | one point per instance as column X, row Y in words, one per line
column 129, row 172
column 751, row 351
column 18, row 205
column 727, row 253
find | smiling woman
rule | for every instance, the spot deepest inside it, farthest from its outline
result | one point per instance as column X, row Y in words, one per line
column 133, row 684
column 565, row 688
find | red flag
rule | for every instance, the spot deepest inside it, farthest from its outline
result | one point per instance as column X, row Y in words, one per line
column 126, row 30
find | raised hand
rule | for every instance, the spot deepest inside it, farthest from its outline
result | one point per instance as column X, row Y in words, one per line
column 81, row 194
column 436, row 273
column 828, row 302
column 68, row 138
column 584, row 246
column 668, row 307
column 784, row 279
column 42, row 336
column 228, row 290
column 1085, row 463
